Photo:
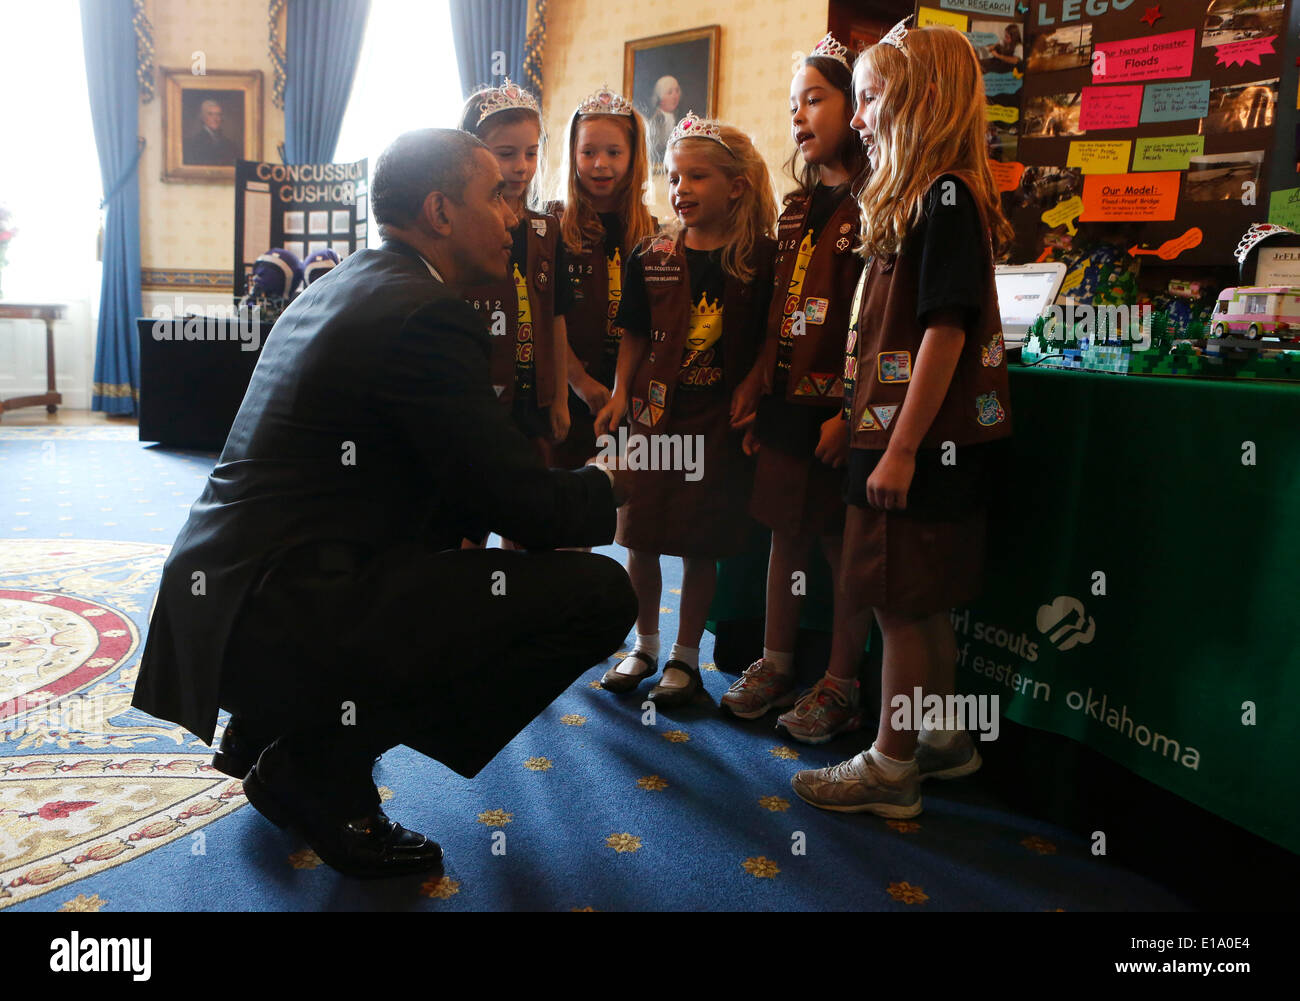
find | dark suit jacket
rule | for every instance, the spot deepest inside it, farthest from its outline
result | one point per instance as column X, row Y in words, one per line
column 203, row 148
column 369, row 420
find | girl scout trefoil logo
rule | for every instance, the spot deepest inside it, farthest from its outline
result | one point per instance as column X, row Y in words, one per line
column 988, row 411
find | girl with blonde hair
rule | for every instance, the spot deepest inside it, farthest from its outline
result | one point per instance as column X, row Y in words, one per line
column 926, row 400
column 693, row 311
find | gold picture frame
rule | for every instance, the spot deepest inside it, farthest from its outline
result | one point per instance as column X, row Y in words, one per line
column 687, row 58
column 209, row 122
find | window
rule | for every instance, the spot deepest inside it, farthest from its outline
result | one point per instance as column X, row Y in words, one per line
column 407, row 78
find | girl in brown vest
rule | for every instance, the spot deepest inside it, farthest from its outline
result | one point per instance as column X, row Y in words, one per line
column 602, row 218
column 693, row 310
column 925, row 389
column 525, row 311
column 800, row 448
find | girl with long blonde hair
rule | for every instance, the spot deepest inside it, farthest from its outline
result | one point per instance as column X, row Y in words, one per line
column 926, row 402
column 694, row 306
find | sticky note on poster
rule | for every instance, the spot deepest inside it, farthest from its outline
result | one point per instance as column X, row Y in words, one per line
column 1167, row 152
column 1149, row 197
column 1001, row 113
column 1110, row 108
column 926, row 16
column 1247, row 51
column 1167, row 55
column 1002, row 83
column 1006, row 176
column 1064, row 214
column 1171, row 102
column 1284, row 208
column 1100, row 157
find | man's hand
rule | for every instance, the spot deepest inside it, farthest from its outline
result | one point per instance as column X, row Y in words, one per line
column 888, row 485
column 833, row 445
column 560, row 418
column 592, row 392
column 620, row 481
column 611, row 413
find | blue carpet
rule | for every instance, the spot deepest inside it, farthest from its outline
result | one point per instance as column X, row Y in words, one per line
column 104, row 808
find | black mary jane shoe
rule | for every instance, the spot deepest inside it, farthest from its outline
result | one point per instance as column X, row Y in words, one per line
column 615, row 681
column 670, row 698
column 369, row 847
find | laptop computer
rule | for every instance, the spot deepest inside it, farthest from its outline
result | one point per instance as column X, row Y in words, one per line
column 1025, row 292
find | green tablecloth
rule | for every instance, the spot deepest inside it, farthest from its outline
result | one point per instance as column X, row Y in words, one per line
column 1183, row 662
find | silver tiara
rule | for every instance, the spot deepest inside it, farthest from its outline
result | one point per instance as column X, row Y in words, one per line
column 831, row 49
column 897, row 34
column 508, row 95
column 605, row 102
column 695, row 127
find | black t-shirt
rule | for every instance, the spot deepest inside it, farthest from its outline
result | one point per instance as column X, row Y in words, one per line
column 949, row 239
column 702, row 357
column 613, row 224
column 825, row 201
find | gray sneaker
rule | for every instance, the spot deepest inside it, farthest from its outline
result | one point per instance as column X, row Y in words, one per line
column 952, row 762
column 858, row 786
column 761, row 688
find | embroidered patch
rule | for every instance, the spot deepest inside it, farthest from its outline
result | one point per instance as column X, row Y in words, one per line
column 499, row 390
column 662, row 245
column 655, row 414
column 657, row 393
column 539, row 226
column 885, row 414
column 837, row 388
column 805, row 388
column 638, row 408
column 894, row 366
column 991, row 353
column 822, row 381
column 988, row 411
column 868, row 423
column 814, row 309
column 852, row 342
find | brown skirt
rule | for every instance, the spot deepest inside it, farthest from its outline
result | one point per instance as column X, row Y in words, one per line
column 670, row 515
column 897, row 561
column 797, row 495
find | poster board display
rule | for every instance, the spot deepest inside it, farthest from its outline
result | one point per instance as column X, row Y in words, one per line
column 1138, row 122
column 301, row 207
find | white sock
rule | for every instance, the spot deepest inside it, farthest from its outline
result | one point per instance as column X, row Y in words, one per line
column 647, row 643
column 893, row 769
column 782, row 662
column 674, row 678
column 848, row 687
column 940, row 739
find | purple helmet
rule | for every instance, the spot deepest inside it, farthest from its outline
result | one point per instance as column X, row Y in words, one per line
column 319, row 263
column 276, row 275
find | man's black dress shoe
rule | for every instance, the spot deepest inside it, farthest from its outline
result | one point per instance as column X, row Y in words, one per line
column 367, row 847
column 241, row 745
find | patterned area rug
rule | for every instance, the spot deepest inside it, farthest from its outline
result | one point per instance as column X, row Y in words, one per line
column 593, row 806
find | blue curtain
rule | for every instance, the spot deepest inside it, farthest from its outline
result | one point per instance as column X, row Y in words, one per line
column 322, row 48
column 110, row 45
column 482, row 28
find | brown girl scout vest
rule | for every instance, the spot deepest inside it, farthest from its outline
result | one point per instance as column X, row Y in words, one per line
column 596, row 293
column 668, row 289
column 814, row 280
column 880, row 354
column 520, row 313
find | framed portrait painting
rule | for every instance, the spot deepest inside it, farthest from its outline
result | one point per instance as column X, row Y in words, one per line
column 666, row 76
column 209, row 122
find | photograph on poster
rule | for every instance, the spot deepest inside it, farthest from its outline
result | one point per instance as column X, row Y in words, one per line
column 318, row 222
column 342, row 221
column 1042, row 188
column 998, row 45
column 1228, row 21
column 1062, row 49
column 296, row 247
column 295, row 222
column 1002, row 141
column 1221, row 177
column 315, row 246
column 1242, row 106
column 1052, row 115
column 341, row 247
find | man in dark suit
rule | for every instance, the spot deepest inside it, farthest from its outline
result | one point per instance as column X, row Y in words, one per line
column 208, row 145
column 318, row 591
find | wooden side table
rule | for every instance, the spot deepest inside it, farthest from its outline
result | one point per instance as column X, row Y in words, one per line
column 49, row 312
